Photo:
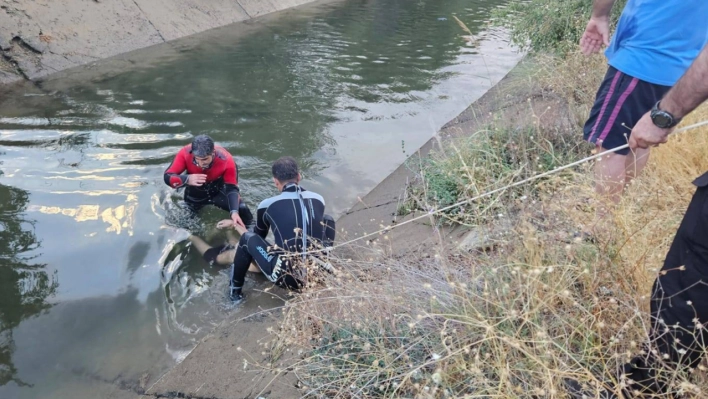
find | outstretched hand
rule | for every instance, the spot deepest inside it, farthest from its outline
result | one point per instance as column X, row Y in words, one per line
column 225, row 224
column 597, row 33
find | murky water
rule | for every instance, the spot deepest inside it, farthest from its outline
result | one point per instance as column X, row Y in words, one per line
column 98, row 296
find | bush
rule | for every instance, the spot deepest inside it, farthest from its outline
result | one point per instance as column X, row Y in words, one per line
column 486, row 161
column 549, row 25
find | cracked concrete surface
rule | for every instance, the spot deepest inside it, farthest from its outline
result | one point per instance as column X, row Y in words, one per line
column 40, row 37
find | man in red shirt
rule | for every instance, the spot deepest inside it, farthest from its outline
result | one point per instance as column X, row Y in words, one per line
column 211, row 179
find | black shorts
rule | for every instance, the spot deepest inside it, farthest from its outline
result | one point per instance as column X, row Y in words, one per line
column 621, row 101
column 211, row 254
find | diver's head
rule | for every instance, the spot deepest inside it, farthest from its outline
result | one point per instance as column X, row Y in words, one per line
column 203, row 151
column 285, row 171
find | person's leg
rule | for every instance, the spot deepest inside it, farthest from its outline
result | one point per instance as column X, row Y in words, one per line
column 679, row 305
column 330, row 231
column 252, row 247
column 621, row 101
column 609, row 179
column 239, row 268
column 635, row 163
column 212, row 255
column 226, row 258
column 199, row 244
column 641, row 100
column 603, row 130
column 194, row 201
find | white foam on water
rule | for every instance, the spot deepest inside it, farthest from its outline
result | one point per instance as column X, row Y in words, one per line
column 128, row 122
column 26, row 121
column 170, row 124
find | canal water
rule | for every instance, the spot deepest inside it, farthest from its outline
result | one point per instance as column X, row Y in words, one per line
column 98, row 294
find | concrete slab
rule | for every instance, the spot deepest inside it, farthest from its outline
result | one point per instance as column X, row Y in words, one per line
column 179, row 18
column 41, row 37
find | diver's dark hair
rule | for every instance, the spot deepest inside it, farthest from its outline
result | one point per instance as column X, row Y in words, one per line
column 285, row 169
column 202, row 146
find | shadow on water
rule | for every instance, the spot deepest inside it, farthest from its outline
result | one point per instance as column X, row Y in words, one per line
column 24, row 285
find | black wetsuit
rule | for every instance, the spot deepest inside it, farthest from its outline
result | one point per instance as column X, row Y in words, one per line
column 289, row 214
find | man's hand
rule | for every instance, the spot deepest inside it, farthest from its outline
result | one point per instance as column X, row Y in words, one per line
column 646, row 134
column 597, row 33
column 225, row 224
column 196, row 180
column 238, row 223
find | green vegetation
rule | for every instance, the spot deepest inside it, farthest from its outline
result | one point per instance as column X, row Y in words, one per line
column 549, row 25
column 541, row 305
column 488, row 160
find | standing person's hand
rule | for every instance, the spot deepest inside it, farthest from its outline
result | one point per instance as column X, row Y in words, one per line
column 196, row 179
column 646, row 134
column 597, row 33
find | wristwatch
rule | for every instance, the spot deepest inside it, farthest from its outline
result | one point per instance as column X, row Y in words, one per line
column 663, row 119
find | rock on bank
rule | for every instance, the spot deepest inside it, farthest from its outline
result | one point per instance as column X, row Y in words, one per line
column 40, row 37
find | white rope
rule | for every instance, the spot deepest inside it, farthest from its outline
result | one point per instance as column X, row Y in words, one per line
column 489, row 193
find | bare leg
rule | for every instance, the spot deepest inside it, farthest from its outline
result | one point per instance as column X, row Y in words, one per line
column 199, row 244
column 232, row 237
column 635, row 163
column 227, row 257
column 610, row 175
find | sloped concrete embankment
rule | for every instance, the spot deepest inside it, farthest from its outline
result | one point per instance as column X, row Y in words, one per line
column 41, row 37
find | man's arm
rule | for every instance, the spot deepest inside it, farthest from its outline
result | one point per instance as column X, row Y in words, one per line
column 602, row 8
column 173, row 175
column 691, row 90
column 231, row 184
column 597, row 32
column 686, row 95
column 262, row 225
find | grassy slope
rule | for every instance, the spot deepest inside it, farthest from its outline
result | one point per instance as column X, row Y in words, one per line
column 542, row 305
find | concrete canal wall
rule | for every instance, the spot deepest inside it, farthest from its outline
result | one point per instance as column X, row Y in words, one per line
column 41, row 37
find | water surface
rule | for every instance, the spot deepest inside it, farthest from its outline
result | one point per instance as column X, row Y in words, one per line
column 98, row 296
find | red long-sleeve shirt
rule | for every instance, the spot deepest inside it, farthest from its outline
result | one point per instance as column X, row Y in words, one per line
column 223, row 170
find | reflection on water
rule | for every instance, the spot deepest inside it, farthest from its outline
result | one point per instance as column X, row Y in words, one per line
column 25, row 285
column 347, row 88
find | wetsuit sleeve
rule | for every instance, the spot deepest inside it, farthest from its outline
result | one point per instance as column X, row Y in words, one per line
column 173, row 175
column 232, row 194
column 231, row 184
column 231, row 171
column 262, row 224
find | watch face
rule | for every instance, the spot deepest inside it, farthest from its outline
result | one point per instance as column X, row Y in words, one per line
column 661, row 119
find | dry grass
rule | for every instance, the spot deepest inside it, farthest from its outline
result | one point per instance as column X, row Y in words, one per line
column 515, row 321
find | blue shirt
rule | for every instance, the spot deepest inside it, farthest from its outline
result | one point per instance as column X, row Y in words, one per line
column 657, row 40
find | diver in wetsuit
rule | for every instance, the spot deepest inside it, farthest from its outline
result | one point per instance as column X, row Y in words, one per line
column 296, row 217
column 211, row 179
